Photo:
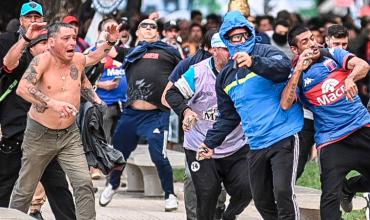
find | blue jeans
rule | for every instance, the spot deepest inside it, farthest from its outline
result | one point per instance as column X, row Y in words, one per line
column 152, row 125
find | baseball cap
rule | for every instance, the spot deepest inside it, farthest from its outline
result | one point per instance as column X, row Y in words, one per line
column 30, row 7
column 216, row 41
column 170, row 25
column 42, row 37
column 70, row 19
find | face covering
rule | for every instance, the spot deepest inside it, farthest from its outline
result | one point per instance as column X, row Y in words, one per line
column 280, row 39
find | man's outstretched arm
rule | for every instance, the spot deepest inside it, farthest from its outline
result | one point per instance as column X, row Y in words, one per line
column 103, row 50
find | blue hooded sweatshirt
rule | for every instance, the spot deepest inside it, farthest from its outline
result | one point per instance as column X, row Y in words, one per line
column 252, row 95
column 232, row 20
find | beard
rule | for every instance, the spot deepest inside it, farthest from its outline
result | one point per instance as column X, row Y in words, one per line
column 280, row 39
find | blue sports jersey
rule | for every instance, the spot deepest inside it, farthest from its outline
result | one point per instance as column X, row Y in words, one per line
column 112, row 70
column 322, row 91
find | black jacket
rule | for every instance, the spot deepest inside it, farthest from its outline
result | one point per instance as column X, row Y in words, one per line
column 98, row 153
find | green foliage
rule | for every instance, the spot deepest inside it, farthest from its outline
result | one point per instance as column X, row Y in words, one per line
column 178, row 175
column 311, row 178
column 211, row 5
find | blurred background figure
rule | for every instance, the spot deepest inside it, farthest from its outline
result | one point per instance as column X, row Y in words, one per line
column 125, row 36
column 82, row 45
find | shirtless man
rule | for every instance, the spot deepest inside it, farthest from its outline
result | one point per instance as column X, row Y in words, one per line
column 51, row 83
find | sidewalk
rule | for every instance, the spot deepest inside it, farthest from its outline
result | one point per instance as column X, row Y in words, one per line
column 134, row 206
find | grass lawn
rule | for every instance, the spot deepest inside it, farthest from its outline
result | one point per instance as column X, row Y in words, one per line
column 309, row 178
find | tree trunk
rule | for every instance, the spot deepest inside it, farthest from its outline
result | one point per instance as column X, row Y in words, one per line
column 55, row 10
column 133, row 8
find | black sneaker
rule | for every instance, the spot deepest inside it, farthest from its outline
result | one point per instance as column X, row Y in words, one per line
column 37, row 215
column 346, row 201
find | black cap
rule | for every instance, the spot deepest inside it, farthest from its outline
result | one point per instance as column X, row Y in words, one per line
column 42, row 37
column 171, row 25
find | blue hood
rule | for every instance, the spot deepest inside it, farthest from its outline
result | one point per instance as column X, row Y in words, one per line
column 232, row 20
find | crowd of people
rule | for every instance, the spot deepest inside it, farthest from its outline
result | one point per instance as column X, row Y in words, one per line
column 255, row 98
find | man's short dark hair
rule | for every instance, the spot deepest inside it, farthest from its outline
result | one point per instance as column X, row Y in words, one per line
column 214, row 17
column 282, row 22
column 337, row 31
column 297, row 30
column 263, row 17
column 196, row 25
column 206, row 41
column 54, row 28
column 195, row 13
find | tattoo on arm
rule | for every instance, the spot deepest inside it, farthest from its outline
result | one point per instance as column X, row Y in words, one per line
column 88, row 94
column 74, row 72
column 41, row 97
column 31, row 74
column 87, row 91
column 291, row 93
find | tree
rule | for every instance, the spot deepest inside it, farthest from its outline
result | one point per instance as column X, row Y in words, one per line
column 55, row 10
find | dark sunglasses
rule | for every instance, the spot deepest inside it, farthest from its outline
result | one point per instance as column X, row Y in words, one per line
column 150, row 25
column 236, row 38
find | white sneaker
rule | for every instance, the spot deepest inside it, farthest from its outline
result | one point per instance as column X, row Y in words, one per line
column 171, row 203
column 107, row 195
column 367, row 210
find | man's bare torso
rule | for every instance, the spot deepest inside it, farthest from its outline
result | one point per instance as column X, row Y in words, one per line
column 62, row 83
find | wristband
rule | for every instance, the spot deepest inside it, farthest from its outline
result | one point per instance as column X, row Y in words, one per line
column 111, row 43
column 26, row 38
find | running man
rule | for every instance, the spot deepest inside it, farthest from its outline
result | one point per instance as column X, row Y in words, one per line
column 51, row 83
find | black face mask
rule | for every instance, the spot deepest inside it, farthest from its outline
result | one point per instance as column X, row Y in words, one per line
column 280, row 39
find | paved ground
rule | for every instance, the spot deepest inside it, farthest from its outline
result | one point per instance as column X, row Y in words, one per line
column 134, row 206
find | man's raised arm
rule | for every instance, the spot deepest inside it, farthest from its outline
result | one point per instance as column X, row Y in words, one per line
column 11, row 59
column 288, row 96
column 103, row 50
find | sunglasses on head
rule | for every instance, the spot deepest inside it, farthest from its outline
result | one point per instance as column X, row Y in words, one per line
column 150, row 25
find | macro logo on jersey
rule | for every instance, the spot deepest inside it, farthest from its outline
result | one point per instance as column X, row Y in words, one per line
column 329, row 91
column 329, row 86
column 211, row 114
